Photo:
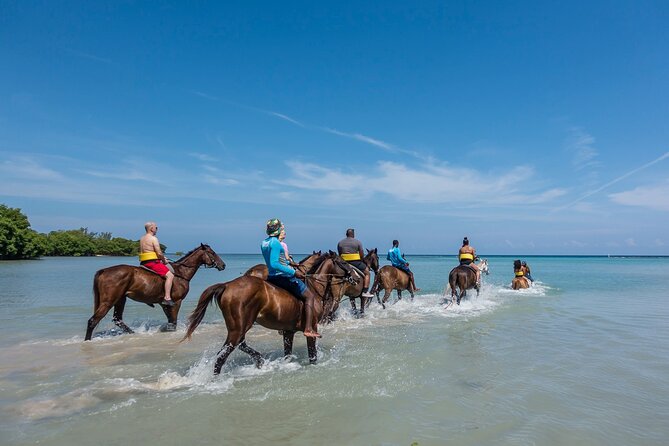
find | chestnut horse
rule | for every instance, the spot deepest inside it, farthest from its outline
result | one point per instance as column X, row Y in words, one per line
column 388, row 279
column 519, row 281
column 249, row 299
column 111, row 287
column 304, row 265
column 463, row 277
column 354, row 290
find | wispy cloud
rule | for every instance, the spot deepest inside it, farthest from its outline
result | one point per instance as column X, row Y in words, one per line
column 27, row 167
column 359, row 137
column 286, row 118
column 89, row 56
column 651, row 197
column 426, row 184
column 351, row 135
column 581, row 145
column 203, row 157
column 612, row 182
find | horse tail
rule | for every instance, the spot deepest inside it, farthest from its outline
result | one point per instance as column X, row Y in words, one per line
column 197, row 315
column 96, row 291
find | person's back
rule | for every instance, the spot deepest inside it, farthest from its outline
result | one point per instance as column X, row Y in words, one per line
column 467, row 255
column 350, row 249
column 395, row 257
column 398, row 261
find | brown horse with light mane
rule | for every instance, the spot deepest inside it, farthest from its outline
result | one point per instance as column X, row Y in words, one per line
column 388, row 279
column 354, row 290
column 304, row 265
column 112, row 286
column 463, row 277
column 249, row 299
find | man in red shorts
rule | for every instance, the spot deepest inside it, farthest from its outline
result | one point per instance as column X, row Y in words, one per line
column 152, row 257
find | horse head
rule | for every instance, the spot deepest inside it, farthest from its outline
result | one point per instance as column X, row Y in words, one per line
column 372, row 260
column 211, row 259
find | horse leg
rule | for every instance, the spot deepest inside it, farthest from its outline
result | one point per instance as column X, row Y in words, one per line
column 311, row 350
column 257, row 357
column 386, row 296
column 411, row 291
column 171, row 314
column 288, row 337
column 353, row 307
column 93, row 322
column 223, row 354
column 118, row 315
column 362, row 304
column 399, row 295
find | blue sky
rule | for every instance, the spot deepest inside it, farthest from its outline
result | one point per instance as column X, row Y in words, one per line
column 530, row 127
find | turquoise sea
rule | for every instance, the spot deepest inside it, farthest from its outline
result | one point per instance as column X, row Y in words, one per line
column 581, row 358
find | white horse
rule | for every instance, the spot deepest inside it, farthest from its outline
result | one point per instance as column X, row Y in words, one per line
column 483, row 266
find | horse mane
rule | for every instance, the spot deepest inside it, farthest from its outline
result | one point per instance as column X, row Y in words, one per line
column 183, row 257
column 318, row 263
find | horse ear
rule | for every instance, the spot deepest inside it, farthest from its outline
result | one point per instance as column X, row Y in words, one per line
column 331, row 252
column 367, row 250
column 201, row 245
column 376, row 249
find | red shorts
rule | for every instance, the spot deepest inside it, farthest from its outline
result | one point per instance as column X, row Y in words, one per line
column 156, row 266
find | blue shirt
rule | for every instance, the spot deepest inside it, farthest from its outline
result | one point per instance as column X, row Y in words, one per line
column 395, row 257
column 272, row 250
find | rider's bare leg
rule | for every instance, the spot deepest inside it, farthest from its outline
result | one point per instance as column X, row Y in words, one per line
column 310, row 329
column 169, row 278
column 413, row 282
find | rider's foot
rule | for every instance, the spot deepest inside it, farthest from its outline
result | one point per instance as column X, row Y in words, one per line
column 367, row 295
column 312, row 334
column 167, row 303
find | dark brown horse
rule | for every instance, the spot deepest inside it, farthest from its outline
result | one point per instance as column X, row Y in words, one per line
column 463, row 277
column 354, row 290
column 249, row 299
column 113, row 285
column 304, row 265
column 388, row 279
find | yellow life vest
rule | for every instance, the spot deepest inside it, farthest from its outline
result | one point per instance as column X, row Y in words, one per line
column 351, row 257
column 519, row 273
column 144, row 256
column 466, row 256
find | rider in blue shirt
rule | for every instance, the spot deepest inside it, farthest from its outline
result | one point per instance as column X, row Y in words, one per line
column 283, row 275
column 397, row 260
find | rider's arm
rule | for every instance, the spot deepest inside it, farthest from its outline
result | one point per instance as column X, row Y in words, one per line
column 360, row 251
column 156, row 248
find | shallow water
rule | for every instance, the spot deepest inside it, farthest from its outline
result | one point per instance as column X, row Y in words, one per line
column 581, row 358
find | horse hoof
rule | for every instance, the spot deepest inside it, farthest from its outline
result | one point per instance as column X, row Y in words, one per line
column 168, row 327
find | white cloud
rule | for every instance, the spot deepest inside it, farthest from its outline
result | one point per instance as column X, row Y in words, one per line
column 630, row 242
column 427, row 184
column 652, row 197
column 27, row 168
column 203, row 157
column 581, row 144
column 211, row 179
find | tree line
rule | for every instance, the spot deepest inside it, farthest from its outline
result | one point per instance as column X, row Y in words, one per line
column 19, row 241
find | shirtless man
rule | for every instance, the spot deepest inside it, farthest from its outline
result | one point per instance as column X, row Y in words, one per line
column 467, row 255
column 152, row 258
column 350, row 249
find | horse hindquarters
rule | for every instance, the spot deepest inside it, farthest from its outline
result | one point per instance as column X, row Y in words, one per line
column 104, row 297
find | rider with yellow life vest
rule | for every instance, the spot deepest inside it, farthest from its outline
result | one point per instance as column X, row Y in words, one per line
column 467, row 255
column 151, row 257
column 350, row 249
